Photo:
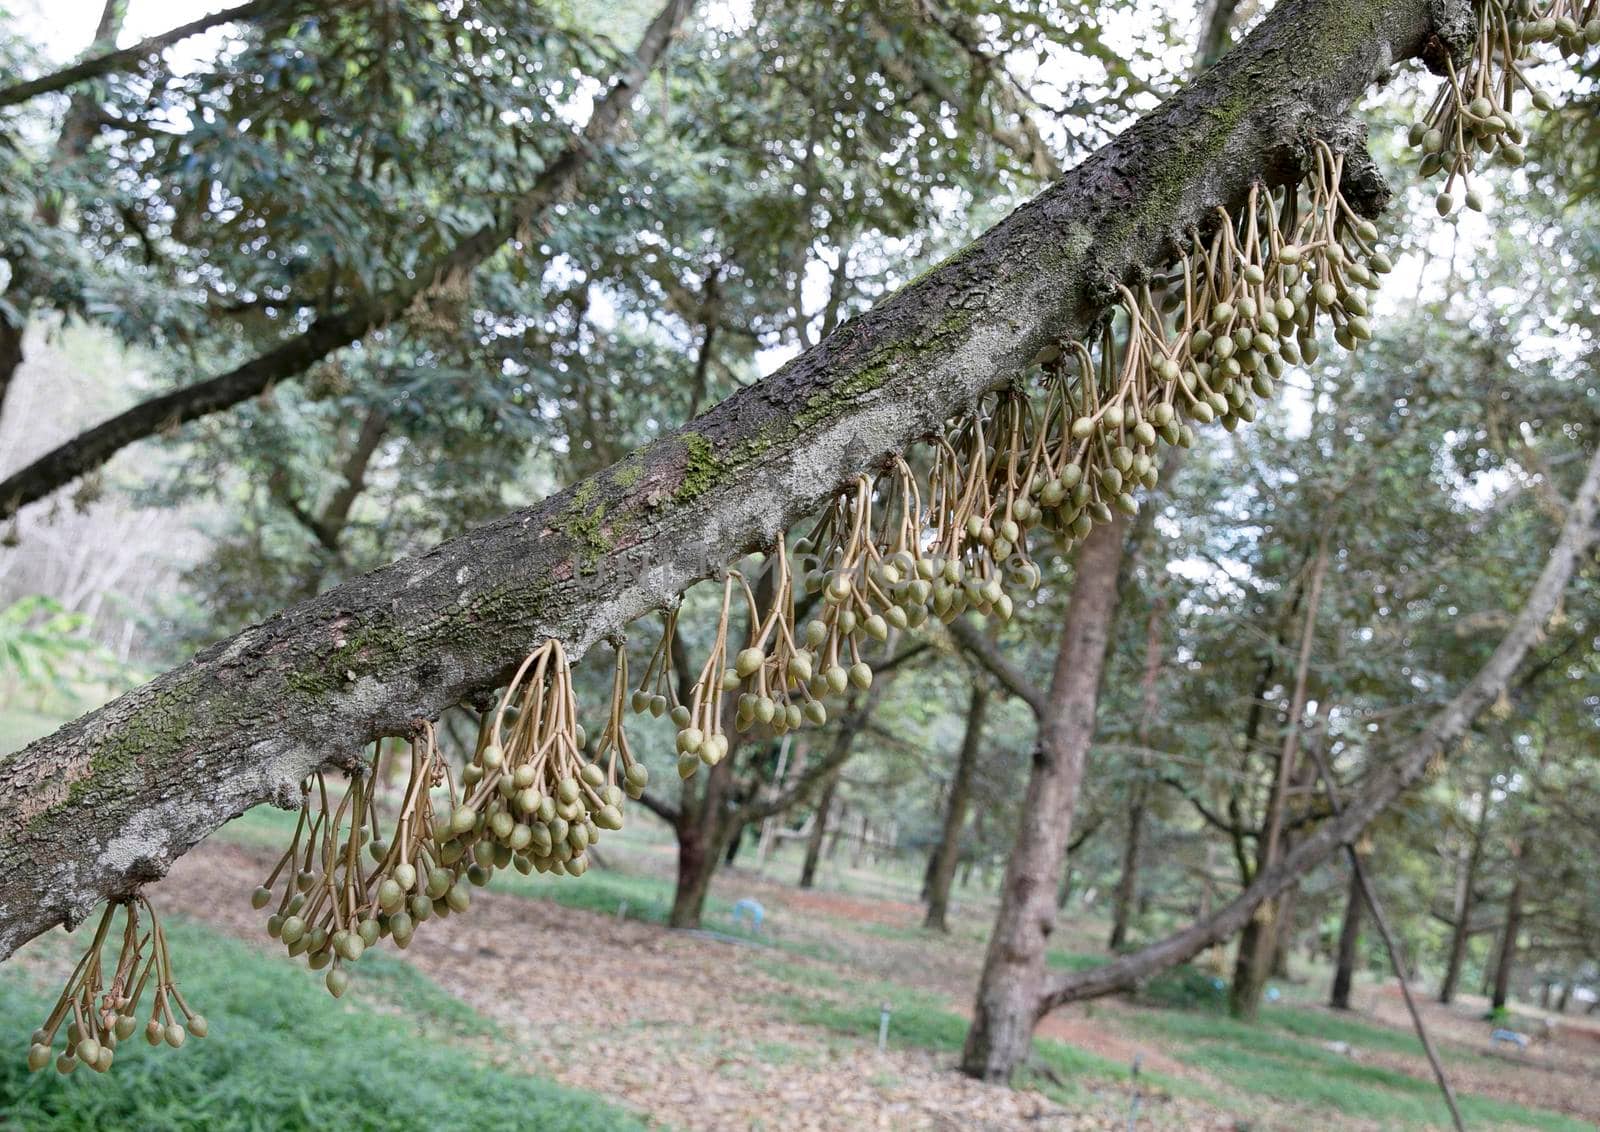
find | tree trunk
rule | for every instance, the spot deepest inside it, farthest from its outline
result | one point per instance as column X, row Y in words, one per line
column 1506, row 962
column 696, row 862
column 1126, row 901
column 1257, row 943
column 942, row 865
column 1128, row 881
column 1283, row 935
column 1349, row 937
column 110, row 800
column 1008, row 1003
column 10, row 357
column 819, row 829
column 1460, row 934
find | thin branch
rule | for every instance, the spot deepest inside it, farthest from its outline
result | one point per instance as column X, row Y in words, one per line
column 122, row 59
column 1382, row 923
column 982, row 648
column 91, row 449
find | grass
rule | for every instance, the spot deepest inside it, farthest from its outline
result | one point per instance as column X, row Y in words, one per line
column 283, row 1055
column 1282, row 1057
column 919, row 1020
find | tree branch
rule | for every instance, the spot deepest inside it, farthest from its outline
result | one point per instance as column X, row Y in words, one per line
column 106, row 62
column 108, row 801
column 1397, row 775
column 661, row 808
column 90, row 449
column 982, row 648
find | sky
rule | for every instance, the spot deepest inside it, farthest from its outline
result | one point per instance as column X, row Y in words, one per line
column 65, row 27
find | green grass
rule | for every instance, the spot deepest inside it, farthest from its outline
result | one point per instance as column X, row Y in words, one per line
column 282, row 1055
column 265, row 827
column 1282, row 1057
column 919, row 1020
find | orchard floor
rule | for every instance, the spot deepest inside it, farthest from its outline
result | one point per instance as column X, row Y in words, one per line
column 578, row 982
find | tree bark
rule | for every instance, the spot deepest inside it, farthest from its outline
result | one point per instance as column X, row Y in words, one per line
column 1349, row 938
column 108, row 801
column 1126, row 901
column 942, row 865
column 1460, row 930
column 10, row 357
column 1009, row 990
column 332, row 331
column 697, row 860
column 1392, row 778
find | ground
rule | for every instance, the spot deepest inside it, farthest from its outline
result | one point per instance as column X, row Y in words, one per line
column 576, row 981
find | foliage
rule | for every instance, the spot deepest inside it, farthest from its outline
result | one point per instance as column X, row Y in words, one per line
column 284, row 1056
column 40, row 646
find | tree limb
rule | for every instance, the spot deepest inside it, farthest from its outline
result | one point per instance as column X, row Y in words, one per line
column 91, row 448
column 108, row 801
column 105, row 62
column 982, row 648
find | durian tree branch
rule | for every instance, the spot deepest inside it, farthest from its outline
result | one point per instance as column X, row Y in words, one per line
column 108, row 801
column 334, row 330
column 1385, row 785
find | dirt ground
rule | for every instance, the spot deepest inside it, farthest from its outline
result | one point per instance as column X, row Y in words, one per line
column 689, row 1030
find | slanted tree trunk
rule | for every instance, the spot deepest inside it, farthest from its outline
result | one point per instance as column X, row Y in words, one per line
column 1126, row 898
column 942, row 865
column 333, row 330
column 105, row 58
column 1388, row 782
column 1466, row 884
column 1014, row 967
column 109, row 801
column 1349, row 940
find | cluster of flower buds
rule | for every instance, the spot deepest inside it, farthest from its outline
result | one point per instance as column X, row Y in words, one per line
column 1475, row 108
column 1196, row 346
column 527, row 798
column 531, row 796
column 347, row 882
column 98, row 1014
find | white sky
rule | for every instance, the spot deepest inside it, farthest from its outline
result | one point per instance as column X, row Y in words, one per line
column 65, row 27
